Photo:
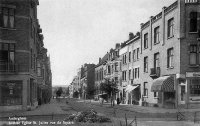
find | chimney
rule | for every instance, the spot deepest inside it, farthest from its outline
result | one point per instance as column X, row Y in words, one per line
column 99, row 59
column 131, row 35
column 138, row 34
column 117, row 46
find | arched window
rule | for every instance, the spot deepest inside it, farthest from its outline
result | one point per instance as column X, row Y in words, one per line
column 193, row 22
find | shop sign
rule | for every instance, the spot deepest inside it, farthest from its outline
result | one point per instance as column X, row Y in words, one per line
column 192, row 74
column 194, row 99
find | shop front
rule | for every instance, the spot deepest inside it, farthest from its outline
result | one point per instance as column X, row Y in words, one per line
column 164, row 91
column 193, row 90
column 133, row 94
column 11, row 94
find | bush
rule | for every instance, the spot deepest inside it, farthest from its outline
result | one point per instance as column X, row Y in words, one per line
column 155, row 105
column 87, row 116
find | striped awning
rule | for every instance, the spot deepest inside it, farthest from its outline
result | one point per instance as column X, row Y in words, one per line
column 163, row 84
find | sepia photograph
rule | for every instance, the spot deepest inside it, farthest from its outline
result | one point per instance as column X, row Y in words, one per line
column 99, row 62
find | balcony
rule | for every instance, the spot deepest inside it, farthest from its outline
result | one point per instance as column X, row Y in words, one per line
column 13, row 67
column 155, row 72
column 191, row 1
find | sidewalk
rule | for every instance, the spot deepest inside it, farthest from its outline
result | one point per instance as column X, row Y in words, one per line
column 141, row 109
column 53, row 107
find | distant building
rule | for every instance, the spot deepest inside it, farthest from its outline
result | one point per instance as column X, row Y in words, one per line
column 21, row 44
column 87, row 81
column 100, row 71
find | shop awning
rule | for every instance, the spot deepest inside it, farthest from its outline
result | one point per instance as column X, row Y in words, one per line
column 163, row 84
column 129, row 88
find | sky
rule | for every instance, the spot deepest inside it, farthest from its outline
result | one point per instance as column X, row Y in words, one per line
column 80, row 31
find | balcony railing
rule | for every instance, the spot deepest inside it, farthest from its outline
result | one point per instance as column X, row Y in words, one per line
column 13, row 67
column 155, row 72
column 191, row 1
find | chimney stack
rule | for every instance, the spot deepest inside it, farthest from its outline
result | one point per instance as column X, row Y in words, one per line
column 131, row 35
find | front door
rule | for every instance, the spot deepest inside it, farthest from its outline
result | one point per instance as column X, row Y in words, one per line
column 182, row 98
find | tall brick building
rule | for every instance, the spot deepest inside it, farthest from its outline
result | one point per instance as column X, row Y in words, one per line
column 170, row 53
column 23, row 58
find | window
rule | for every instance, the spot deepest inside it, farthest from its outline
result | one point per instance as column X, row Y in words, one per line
column 156, row 35
column 145, row 89
column 170, row 54
column 39, row 72
column 136, row 73
column 195, row 87
column 134, row 55
column 146, row 64
column 7, row 17
column 34, row 61
column 138, row 53
column 193, row 22
column 133, row 74
column 155, row 94
column 116, row 67
column 129, row 57
column 129, row 74
column 146, row 40
column 124, row 59
column 112, row 70
column 124, row 75
column 156, row 60
column 7, row 52
column 31, row 58
column 199, row 54
column 193, row 54
column 170, row 32
column 109, row 69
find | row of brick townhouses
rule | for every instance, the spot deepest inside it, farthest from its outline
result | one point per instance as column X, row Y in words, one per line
column 25, row 71
column 160, row 65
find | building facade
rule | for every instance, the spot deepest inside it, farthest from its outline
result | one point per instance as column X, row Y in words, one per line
column 169, row 56
column 87, row 81
column 20, row 37
column 130, row 68
column 100, row 71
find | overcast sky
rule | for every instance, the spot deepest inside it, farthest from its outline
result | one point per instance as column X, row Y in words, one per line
column 81, row 31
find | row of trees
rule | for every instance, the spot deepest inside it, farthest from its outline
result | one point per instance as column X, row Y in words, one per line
column 109, row 87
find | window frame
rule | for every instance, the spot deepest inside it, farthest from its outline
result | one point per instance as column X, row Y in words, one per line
column 157, row 35
column 170, row 28
column 145, row 89
column 145, row 40
column 170, row 57
column 193, row 21
column 10, row 13
column 193, row 50
column 156, row 60
column 146, row 64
